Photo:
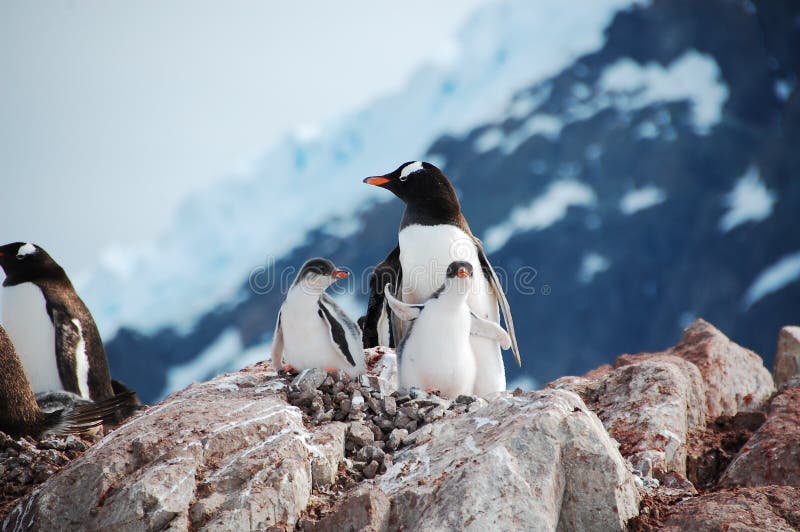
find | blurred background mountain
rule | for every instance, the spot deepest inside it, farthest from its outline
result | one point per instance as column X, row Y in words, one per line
column 630, row 166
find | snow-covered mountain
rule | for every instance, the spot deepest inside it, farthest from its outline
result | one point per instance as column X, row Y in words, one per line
column 629, row 169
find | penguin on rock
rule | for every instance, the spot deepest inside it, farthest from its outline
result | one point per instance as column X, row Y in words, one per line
column 50, row 326
column 434, row 233
column 312, row 331
column 436, row 352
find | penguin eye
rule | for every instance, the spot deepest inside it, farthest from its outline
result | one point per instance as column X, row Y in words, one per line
column 403, row 178
column 20, row 257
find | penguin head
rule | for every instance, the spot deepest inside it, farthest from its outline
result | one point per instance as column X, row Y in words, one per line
column 419, row 184
column 318, row 274
column 460, row 269
column 24, row 263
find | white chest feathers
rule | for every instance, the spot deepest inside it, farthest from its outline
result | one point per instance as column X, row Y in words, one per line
column 308, row 340
column 31, row 331
column 425, row 253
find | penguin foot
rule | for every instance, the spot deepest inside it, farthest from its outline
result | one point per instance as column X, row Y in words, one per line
column 288, row 368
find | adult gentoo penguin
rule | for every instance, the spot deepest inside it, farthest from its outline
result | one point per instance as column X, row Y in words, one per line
column 312, row 330
column 434, row 233
column 20, row 415
column 53, row 331
column 436, row 352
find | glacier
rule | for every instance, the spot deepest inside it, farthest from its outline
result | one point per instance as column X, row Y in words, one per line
column 314, row 174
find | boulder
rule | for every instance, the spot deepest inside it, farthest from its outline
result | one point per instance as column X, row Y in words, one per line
column 653, row 404
column 541, row 461
column 786, row 370
column 735, row 378
column 772, row 455
column 229, row 454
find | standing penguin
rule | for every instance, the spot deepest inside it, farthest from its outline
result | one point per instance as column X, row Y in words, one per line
column 436, row 352
column 433, row 233
column 312, row 330
column 53, row 331
column 20, row 415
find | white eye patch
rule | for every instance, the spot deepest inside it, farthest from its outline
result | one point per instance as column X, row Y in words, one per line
column 411, row 168
column 26, row 249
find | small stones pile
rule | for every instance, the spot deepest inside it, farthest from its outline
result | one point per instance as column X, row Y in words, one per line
column 380, row 420
column 25, row 463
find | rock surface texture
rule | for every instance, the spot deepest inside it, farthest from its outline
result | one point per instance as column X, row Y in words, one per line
column 692, row 438
column 787, row 359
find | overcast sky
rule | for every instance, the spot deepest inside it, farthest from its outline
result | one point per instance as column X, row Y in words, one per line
column 111, row 111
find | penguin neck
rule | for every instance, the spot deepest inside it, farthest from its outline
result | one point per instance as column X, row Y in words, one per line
column 452, row 293
column 56, row 287
column 434, row 213
column 303, row 294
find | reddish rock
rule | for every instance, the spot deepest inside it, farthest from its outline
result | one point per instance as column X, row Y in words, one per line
column 735, row 377
column 649, row 404
column 787, row 360
column 773, row 508
column 772, row 456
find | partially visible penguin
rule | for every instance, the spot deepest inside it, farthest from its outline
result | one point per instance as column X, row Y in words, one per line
column 53, row 331
column 312, row 330
column 436, row 352
column 20, row 415
column 433, row 233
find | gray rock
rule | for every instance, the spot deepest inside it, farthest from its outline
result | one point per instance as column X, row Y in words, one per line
column 574, row 476
column 213, row 456
column 360, row 434
column 396, row 438
column 310, row 379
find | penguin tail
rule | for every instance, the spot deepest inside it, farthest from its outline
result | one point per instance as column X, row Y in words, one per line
column 84, row 417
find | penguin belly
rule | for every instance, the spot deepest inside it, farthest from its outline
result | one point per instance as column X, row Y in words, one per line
column 32, row 332
column 307, row 341
column 437, row 354
column 425, row 253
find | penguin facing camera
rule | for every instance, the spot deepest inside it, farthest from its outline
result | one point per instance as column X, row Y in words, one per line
column 435, row 352
column 434, row 233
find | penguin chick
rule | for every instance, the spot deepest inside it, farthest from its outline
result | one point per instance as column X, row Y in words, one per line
column 20, row 415
column 436, row 352
column 312, row 330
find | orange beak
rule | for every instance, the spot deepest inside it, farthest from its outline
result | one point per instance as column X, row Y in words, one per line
column 376, row 180
column 340, row 274
column 462, row 272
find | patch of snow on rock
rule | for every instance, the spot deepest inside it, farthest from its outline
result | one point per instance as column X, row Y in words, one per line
column 542, row 212
column 749, row 201
column 641, row 198
column 775, row 277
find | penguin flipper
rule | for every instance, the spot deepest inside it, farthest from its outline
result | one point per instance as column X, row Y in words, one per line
column 387, row 272
column 404, row 311
column 336, row 328
column 490, row 274
column 83, row 417
column 276, row 352
column 489, row 329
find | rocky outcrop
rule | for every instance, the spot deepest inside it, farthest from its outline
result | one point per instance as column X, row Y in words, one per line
column 653, row 403
column 233, row 454
column 642, row 444
column 772, row 455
